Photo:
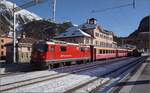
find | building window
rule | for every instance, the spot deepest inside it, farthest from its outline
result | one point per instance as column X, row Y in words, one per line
column 87, row 41
column 2, row 46
column 104, row 37
column 97, row 34
column 2, row 40
column 2, row 53
column 28, row 48
column 96, row 42
column 101, row 35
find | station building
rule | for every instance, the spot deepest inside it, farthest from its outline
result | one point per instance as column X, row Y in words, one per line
column 89, row 33
column 4, row 40
column 23, row 50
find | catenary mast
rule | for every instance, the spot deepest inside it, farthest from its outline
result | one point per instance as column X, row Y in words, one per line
column 53, row 10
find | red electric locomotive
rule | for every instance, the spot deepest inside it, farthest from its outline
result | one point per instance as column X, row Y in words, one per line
column 49, row 53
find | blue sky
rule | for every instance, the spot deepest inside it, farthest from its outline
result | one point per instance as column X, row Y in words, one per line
column 121, row 21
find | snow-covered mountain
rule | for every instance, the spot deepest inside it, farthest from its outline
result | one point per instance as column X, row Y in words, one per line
column 6, row 16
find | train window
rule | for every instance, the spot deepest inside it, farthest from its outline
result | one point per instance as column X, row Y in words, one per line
column 107, row 51
column 82, row 49
column 100, row 52
column 63, row 48
column 104, row 52
column 52, row 48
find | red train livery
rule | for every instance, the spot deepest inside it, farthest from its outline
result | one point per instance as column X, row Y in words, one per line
column 49, row 53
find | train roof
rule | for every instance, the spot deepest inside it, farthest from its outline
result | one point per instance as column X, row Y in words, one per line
column 52, row 41
column 105, row 48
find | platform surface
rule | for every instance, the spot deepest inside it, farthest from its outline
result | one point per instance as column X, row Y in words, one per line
column 140, row 82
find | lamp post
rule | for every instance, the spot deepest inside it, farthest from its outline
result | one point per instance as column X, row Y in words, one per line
column 15, row 10
column 149, row 35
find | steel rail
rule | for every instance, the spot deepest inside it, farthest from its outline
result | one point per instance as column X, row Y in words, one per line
column 122, row 68
column 14, row 85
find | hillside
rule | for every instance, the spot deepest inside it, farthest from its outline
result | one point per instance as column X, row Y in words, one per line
column 43, row 29
column 6, row 17
column 143, row 27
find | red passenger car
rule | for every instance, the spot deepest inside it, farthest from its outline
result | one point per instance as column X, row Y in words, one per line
column 105, row 53
column 122, row 52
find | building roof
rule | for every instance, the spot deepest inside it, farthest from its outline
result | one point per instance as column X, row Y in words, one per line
column 76, row 31
column 26, row 40
column 73, row 32
column 88, row 26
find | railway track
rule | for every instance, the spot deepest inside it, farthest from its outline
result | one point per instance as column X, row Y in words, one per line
column 18, row 84
column 118, row 72
column 10, row 86
column 119, row 75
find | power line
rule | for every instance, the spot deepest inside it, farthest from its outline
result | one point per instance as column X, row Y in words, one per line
column 103, row 10
column 116, row 7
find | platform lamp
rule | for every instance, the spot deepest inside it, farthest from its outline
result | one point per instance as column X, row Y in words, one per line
column 149, row 34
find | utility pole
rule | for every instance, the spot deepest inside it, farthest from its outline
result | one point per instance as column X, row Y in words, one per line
column 116, row 7
column 149, row 36
column 134, row 3
column 14, row 34
column 53, row 10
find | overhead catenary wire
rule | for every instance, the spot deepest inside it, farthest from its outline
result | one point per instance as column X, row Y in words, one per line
column 103, row 10
column 116, row 7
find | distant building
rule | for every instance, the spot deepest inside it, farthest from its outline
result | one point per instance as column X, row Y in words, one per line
column 140, row 37
column 89, row 33
column 23, row 50
column 4, row 40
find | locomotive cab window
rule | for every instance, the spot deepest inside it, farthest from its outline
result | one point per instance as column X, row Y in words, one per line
column 52, row 48
column 82, row 49
column 63, row 48
column 41, row 47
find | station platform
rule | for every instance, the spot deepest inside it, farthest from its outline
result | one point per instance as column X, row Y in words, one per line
column 14, row 67
column 140, row 81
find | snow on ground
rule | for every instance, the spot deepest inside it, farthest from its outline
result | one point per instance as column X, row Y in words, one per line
column 55, row 85
column 15, row 78
column 61, row 84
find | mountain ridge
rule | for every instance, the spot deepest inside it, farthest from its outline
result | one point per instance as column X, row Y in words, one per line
column 6, row 17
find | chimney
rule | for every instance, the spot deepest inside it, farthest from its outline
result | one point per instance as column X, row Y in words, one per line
column 23, row 35
column 91, row 21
